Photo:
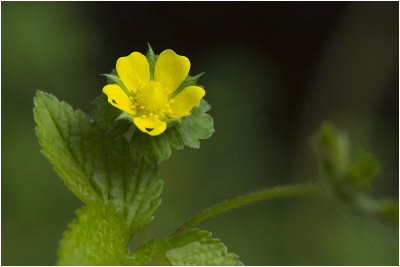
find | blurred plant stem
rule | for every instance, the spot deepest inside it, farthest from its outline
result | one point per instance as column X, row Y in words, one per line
column 280, row 191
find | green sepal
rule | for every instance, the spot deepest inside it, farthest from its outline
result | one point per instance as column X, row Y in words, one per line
column 113, row 78
column 151, row 58
column 193, row 248
column 189, row 81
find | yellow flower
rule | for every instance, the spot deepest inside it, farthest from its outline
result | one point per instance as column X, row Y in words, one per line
column 150, row 102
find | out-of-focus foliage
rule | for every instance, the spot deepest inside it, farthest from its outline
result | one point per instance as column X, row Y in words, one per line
column 349, row 178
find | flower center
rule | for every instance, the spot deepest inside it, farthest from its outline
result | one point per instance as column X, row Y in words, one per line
column 152, row 97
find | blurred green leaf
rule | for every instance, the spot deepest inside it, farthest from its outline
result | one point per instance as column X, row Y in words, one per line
column 332, row 148
column 194, row 248
column 349, row 180
column 389, row 209
column 363, row 170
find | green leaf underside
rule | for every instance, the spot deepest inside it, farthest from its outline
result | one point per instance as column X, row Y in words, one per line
column 195, row 248
column 95, row 167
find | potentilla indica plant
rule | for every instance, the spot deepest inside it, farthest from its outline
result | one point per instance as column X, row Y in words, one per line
column 110, row 160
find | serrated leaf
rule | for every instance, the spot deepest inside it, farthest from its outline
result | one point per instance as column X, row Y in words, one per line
column 94, row 166
column 97, row 236
column 195, row 247
column 62, row 134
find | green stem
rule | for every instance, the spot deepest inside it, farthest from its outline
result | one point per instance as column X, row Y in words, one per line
column 281, row 191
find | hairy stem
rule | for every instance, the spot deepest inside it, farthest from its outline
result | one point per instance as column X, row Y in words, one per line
column 280, row 191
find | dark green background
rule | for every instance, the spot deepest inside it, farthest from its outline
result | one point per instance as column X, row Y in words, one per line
column 274, row 73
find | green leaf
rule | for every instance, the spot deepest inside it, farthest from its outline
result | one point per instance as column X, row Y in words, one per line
column 94, row 166
column 97, row 236
column 194, row 248
column 61, row 132
column 188, row 131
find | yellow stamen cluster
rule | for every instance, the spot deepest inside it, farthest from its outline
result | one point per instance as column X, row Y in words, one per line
column 151, row 100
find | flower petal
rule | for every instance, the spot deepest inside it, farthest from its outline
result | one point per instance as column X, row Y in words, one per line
column 118, row 98
column 134, row 71
column 183, row 103
column 171, row 69
column 153, row 126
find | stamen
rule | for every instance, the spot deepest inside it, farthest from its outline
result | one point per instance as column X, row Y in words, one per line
column 151, row 114
column 144, row 116
column 142, row 107
column 169, row 110
column 172, row 101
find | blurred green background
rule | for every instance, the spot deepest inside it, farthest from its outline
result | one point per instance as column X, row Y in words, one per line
column 274, row 72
